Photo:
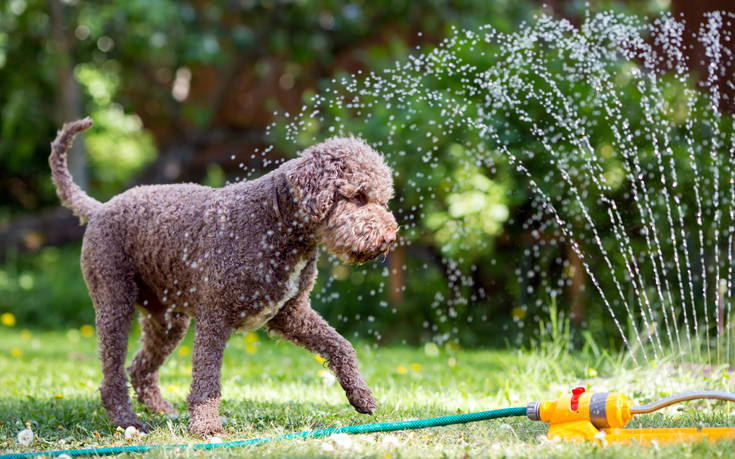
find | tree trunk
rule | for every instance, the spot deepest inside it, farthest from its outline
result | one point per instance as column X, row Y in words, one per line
column 694, row 14
column 576, row 294
column 68, row 97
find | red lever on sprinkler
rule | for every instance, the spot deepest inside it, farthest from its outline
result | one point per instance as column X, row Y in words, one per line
column 576, row 393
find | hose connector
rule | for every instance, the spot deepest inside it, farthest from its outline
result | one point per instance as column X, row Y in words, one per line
column 533, row 411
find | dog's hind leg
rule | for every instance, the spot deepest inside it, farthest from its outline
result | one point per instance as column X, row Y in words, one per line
column 302, row 325
column 110, row 281
column 158, row 341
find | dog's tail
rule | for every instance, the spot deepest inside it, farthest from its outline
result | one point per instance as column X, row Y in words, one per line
column 73, row 197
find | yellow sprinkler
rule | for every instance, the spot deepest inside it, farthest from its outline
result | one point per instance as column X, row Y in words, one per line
column 602, row 417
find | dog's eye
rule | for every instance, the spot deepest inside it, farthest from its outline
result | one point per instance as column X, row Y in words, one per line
column 359, row 199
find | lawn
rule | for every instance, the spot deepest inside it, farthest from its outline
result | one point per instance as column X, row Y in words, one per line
column 49, row 382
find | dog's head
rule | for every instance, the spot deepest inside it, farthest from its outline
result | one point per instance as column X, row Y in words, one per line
column 343, row 187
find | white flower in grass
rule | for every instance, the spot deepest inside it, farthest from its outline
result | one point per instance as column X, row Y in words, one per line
column 327, row 377
column 342, row 440
column 543, row 439
column 600, row 436
column 327, row 447
column 63, row 456
column 25, row 437
column 215, row 440
column 131, row 432
column 390, row 441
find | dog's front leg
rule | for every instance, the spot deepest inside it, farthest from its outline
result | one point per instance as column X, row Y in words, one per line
column 210, row 336
column 299, row 323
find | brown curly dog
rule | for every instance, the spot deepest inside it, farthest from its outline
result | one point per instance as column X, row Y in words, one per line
column 233, row 258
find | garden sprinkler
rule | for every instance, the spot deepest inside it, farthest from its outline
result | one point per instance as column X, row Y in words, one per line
column 602, row 417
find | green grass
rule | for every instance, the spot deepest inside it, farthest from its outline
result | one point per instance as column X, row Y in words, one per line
column 49, row 381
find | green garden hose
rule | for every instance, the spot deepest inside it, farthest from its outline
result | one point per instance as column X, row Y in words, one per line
column 356, row 429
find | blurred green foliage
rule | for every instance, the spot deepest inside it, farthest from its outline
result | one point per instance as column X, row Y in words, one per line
column 46, row 289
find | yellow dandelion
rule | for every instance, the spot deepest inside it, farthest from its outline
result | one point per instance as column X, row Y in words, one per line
column 7, row 319
column 59, row 395
column 401, row 370
column 251, row 338
column 87, row 331
column 416, row 367
column 518, row 313
column 250, row 349
column 184, row 350
column 319, row 358
column 26, row 334
column 171, row 388
column 15, row 352
column 321, row 372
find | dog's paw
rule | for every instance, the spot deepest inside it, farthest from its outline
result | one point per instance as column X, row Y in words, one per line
column 362, row 399
column 204, row 420
column 205, row 429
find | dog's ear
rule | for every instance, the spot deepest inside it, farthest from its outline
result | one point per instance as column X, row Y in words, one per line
column 314, row 181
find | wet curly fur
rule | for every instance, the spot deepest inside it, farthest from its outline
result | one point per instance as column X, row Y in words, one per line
column 234, row 258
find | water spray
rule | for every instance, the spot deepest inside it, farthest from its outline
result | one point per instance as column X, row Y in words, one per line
column 580, row 416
